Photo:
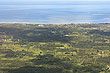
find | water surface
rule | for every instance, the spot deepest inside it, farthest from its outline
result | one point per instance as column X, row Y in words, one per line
column 56, row 13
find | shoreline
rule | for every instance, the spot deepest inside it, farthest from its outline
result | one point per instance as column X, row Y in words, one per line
column 47, row 23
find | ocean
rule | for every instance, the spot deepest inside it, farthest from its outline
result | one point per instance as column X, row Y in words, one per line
column 56, row 12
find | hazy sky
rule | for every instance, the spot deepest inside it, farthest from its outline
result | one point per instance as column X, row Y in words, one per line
column 2, row 2
column 53, row 0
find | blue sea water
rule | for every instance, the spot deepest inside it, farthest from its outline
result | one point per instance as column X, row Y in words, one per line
column 71, row 12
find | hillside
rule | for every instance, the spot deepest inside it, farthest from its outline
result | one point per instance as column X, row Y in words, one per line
column 49, row 48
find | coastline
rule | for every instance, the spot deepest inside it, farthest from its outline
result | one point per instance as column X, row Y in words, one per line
column 48, row 23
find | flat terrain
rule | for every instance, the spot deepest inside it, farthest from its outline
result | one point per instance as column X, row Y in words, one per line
column 49, row 48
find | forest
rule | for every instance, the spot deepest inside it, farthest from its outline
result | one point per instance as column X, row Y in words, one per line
column 54, row 48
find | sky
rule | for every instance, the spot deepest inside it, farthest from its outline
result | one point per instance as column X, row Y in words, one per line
column 11, row 2
column 51, row 0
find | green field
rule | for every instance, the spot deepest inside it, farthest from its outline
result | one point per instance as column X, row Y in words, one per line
column 49, row 48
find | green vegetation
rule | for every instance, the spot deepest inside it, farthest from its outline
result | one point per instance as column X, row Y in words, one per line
column 48, row 48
